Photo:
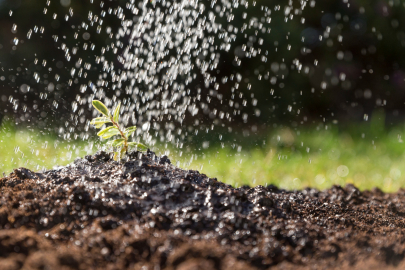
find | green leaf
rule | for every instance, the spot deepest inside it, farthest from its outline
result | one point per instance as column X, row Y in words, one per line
column 129, row 131
column 99, row 126
column 117, row 113
column 117, row 142
column 101, row 107
column 139, row 145
column 102, row 132
column 108, row 132
column 100, row 121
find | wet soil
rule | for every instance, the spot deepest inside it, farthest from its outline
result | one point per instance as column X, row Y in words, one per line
column 145, row 213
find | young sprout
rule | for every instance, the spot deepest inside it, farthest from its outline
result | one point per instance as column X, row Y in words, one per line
column 122, row 144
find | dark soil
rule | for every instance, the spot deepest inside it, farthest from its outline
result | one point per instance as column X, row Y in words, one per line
column 148, row 214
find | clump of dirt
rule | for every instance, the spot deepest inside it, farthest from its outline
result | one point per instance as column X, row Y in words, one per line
column 145, row 213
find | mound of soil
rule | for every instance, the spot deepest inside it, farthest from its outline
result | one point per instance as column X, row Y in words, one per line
column 146, row 213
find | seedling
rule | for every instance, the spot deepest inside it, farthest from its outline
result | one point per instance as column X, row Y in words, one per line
column 122, row 144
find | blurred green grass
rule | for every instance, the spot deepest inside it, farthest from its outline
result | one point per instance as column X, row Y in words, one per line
column 315, row 158
column 367, row 156
column 36, row 150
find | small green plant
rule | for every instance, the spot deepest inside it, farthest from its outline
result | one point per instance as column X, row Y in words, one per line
column 122, row 144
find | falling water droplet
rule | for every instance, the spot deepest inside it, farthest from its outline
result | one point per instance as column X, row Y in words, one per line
column 14, row 29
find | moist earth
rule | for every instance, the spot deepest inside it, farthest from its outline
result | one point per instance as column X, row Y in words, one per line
column 144, row 213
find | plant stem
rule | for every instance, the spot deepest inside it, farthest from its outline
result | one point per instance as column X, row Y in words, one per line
column 122, row 134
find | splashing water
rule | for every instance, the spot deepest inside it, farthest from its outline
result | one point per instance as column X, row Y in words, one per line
column 179, row 67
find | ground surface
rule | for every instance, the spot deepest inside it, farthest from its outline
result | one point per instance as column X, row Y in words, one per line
column 148, row 214
column 287, row 158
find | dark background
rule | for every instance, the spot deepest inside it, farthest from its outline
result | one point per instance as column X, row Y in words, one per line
column 364, row 40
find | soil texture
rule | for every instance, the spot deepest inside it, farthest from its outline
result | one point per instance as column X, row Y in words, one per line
column 145, row 213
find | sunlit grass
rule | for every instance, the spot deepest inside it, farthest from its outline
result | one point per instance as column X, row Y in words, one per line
column 31, row 149
column 314, row 158
column 286, row 158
